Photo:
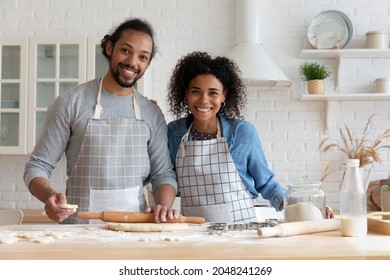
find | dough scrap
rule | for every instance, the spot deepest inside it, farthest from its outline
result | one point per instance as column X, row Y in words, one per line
column 8, row 239
column 42, row 239
column 58, row 235
column 69, row 206
column 146, row 227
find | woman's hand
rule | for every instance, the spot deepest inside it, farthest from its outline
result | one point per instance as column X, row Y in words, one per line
column 329, row 212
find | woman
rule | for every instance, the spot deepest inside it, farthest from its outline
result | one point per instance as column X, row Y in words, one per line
column 220, row 164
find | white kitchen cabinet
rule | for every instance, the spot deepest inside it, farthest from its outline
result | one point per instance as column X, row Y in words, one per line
column 97, row 64
column 55, row 65
column 339, row 55
column 13, row 95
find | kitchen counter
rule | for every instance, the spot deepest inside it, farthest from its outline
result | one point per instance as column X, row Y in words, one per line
column 94, row 242
column 31, row 216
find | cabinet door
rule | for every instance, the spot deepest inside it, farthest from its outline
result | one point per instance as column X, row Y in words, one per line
column 56, row 64
column 97, row 63
column 13, row 96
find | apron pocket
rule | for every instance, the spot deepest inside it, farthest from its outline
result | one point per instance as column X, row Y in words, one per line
column 115, row 200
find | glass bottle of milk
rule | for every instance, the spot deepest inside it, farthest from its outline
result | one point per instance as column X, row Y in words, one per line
column 353, row 201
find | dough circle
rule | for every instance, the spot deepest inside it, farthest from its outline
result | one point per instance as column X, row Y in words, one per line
column 69, row 206
column 146, row 227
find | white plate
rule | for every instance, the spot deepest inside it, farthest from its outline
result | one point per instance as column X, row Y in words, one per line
column 328, row 30
column 347, row 21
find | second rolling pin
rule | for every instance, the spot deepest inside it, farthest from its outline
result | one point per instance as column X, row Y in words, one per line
column 298, row 228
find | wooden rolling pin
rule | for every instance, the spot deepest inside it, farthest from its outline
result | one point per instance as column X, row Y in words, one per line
column 135, row 217
column 298, row 228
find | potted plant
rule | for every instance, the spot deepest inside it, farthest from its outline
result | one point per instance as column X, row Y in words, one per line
column 314, row 74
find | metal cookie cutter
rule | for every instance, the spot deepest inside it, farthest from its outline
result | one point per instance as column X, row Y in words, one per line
column 218, row 228
column 266, row 223
column 222, row 228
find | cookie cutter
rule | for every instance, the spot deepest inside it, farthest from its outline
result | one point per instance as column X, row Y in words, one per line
column 222, row 228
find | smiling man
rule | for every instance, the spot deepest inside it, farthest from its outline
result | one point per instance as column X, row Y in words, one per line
column 114, row 139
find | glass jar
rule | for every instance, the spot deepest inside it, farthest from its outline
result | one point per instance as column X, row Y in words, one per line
column 304, row 201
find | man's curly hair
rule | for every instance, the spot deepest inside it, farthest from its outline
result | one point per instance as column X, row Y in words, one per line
column 136, row 24
column 201, row 63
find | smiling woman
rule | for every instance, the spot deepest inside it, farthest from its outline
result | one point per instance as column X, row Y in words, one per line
column 218, row 157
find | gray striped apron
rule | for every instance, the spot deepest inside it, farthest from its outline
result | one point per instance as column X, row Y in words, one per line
column 111, row 166
column 209, row 183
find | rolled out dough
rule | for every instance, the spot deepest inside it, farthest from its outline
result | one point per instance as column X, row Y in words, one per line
column 69, row 206
column 146, row 227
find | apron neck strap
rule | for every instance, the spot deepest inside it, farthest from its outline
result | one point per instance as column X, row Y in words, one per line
column 99, row 109
column 186, row 135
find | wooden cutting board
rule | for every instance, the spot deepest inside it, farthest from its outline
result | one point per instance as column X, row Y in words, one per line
column 374, row 193
column 375, row 223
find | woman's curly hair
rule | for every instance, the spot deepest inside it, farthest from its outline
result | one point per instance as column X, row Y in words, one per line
column 201, row 63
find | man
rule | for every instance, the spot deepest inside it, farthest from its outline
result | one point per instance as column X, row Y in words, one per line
column 114, row 139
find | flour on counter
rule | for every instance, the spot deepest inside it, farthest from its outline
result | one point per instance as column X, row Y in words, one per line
column 31, row 236
column 98, row 234
column 146, row 227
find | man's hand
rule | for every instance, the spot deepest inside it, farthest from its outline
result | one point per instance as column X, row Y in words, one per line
column 53, row 209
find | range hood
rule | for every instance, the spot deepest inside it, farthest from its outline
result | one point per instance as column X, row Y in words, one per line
column 256, row 65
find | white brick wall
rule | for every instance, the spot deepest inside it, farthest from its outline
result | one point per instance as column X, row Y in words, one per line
column 290, row 129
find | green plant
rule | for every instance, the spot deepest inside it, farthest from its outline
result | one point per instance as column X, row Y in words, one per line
column 313, row 71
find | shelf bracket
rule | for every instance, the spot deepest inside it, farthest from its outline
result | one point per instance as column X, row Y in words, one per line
column 326, row 117
column 337, row 76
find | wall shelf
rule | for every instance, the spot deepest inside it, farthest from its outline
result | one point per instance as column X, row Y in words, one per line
column 345, row 96
column 339, row 55
column 347, row 53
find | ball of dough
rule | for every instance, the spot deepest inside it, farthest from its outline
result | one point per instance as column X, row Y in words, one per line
column 302, row 211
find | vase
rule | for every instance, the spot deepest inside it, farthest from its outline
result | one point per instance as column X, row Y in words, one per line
column 316, row 86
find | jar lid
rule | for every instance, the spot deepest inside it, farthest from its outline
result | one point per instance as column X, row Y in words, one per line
column 383, row 79
column 305, row 182
column 376, row 32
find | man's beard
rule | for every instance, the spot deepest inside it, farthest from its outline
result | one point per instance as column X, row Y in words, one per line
column 122, row 83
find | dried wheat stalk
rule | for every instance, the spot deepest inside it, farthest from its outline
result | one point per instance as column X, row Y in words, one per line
column 355, row 148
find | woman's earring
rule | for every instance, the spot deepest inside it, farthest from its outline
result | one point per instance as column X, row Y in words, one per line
column 223, row 104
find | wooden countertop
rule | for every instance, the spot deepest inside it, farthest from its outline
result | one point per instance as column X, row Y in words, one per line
column 94, row 242
column 35, row 216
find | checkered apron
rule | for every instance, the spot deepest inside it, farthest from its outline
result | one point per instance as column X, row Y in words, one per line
column 209, row 183
column 112, row 164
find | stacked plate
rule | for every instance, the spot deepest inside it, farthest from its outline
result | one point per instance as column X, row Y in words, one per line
column 330, row 30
